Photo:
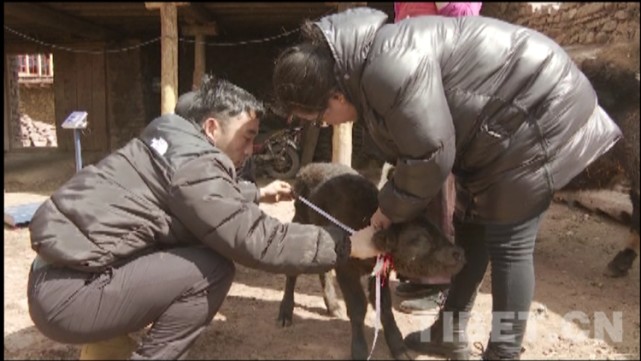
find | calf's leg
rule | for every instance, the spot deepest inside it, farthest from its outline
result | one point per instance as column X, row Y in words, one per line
column 393, row 336
column 329, row 294
column 286, row 311
column 348, row 277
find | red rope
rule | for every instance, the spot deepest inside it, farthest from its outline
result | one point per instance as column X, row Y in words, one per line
column 388, row 266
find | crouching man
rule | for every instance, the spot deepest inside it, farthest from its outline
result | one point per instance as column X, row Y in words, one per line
column 150, row 234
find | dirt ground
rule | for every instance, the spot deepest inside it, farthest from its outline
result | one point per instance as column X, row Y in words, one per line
column 572, row 250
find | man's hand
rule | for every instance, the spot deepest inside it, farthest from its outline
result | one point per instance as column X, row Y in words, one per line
column 276, row 191
column 362, row 245
column 379, row 220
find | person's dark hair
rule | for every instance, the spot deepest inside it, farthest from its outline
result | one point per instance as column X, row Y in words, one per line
column 304, row 74
column 217, row 98
column 184, row 104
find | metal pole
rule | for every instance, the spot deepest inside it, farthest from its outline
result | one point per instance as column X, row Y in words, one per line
column 76, row 140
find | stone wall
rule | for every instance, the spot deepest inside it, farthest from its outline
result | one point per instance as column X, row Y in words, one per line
column 573, row 23
column 37, row 101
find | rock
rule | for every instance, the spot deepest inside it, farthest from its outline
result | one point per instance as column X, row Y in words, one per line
column 610, row 25
column 621, row 15
column 540, row 310
column 36, row 133
column 601, row 38
column 589, row 39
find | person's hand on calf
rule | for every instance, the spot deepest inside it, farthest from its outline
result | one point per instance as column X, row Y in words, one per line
column 362, row 245
column 379, row 220
column 276, row 191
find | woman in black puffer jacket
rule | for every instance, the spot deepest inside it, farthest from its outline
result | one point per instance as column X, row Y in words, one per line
column 500, row 106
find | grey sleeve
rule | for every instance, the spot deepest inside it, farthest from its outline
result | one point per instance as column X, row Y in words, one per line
column 210, row 204
column 249, row 190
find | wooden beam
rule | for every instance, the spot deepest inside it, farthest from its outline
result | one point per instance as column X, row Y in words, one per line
column 169, row 57
column 158, row 5
column 194, row 30
column 345, row 5
column 25, row 47
column 61, row 21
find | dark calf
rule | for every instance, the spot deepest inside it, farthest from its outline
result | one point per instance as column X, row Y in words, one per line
column 418, row 249
column 614, row 74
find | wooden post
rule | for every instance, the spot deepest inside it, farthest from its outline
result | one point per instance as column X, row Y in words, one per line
column 39, row 65
column 169, row 57
column 199, row 32
column 199, row 60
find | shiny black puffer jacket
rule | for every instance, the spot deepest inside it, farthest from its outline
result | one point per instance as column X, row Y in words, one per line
column 501, row 106
column 171, row 187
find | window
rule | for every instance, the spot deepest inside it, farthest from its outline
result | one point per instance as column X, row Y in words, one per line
column 35, row 66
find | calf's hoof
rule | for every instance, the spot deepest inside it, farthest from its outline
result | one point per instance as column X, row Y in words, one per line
column 335, row 311
column 395, row 343
column 284, row 320
column 359, row 350
column 621, row 263
column 285, row 315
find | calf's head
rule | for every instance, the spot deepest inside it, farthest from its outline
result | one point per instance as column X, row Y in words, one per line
column 419, row 249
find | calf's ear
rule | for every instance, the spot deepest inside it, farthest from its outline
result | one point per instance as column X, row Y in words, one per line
column 386, row 239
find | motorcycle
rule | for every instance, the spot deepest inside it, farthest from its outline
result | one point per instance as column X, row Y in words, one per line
column 277, row 153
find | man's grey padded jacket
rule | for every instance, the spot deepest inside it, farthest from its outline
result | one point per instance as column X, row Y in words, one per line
column 171, row 187
column 501, row 106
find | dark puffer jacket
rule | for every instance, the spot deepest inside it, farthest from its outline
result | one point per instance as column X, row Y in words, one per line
column 501, row 106
column 166, row 188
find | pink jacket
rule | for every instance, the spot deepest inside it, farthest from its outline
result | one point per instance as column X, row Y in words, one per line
column 458, row 9
column 404, row 10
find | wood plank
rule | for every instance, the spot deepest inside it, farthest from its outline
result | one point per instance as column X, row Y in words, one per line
column 91, row 98
column 615, row 205
column 83, row 98
column 64, row 87
column 99, row 103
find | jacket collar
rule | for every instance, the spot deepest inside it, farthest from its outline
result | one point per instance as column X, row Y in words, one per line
column 350, row 35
